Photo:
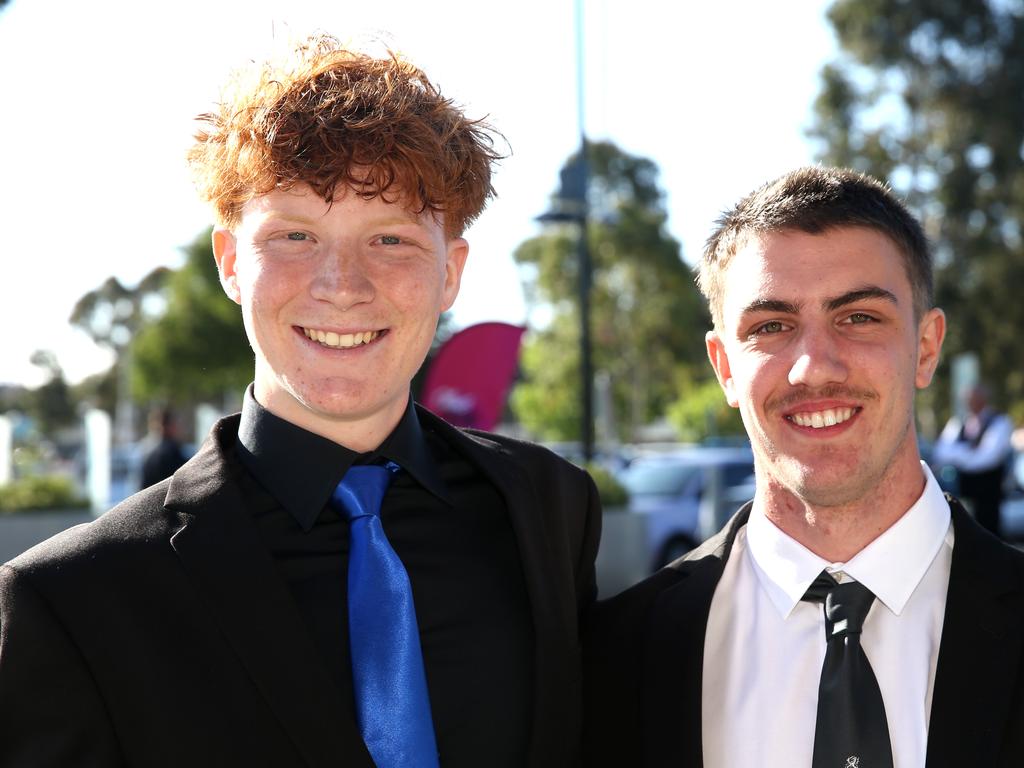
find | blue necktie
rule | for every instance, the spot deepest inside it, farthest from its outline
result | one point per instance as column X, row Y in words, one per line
column 387, row 665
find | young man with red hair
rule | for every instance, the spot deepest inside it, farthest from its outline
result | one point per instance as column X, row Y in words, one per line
column 211, row 620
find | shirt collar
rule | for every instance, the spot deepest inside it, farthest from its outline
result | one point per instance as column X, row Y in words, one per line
column 891, row 566
column 301, row 469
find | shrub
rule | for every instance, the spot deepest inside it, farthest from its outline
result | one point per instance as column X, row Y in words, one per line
column 40, row 492
column 611, row 492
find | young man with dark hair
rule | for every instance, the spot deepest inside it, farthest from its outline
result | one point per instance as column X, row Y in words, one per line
column 339, row 577
column 850, row 615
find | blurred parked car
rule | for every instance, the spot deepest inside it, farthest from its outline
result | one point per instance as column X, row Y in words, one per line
column 687, row 494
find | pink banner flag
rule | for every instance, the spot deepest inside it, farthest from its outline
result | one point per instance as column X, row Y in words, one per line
column 470, row 376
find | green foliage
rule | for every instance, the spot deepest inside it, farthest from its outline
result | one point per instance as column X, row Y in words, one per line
column 52, row 404
column 928, row 96
column 701, row 411
column 548, row 401
column 647, row 316
column 611, row 492
column 197, row 349
column 98, row 390
column 113, row 313
column 40, row 492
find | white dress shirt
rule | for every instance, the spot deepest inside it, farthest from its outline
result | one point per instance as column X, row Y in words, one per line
column 764, row 646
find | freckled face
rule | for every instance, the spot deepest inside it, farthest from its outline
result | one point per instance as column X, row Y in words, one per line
column 820, row 350
column 340, row 302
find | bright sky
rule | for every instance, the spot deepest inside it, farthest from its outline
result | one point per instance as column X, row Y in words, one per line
column 99, row 98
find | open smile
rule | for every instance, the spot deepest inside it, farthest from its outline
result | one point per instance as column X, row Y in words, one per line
column 827, row 417
column 336, row 340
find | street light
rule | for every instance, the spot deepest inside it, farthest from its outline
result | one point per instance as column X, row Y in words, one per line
column 570, row 205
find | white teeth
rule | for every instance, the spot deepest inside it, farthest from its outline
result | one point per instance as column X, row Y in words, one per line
column 340, row 340
column 827, row 418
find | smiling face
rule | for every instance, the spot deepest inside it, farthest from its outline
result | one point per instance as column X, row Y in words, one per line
column 820, row 350
column 340, row 304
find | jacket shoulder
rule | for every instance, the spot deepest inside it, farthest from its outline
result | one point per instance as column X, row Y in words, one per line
column 138, row 520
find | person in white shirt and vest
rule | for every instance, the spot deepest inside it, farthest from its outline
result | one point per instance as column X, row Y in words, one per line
column 851, row 615
column 978, row 448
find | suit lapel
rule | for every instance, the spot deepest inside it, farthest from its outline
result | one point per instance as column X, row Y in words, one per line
column 221, row 550
column 673, row 680
column 554, row 619
column 979, row 656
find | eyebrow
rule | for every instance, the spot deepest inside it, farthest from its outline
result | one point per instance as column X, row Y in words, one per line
column 830, row 305
column 861, row 294
column 771, row 305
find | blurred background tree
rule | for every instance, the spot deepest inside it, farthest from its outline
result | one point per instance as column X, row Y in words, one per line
column 647, row 316
column 930, row 95
column 196, row 349
column 112, row 315
column 52, row 404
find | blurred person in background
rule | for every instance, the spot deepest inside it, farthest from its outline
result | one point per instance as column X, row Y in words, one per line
column 338, row 577
column 851, row 615
column 979, row 448
column 167, row 455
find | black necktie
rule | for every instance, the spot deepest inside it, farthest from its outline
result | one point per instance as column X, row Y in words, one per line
column 851, row 728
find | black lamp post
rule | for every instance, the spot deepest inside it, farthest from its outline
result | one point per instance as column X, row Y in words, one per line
column 570, row 205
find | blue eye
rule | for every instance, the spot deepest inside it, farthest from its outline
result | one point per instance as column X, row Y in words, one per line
column 297, row 236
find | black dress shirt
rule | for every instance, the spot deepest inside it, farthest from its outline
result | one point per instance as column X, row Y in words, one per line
column 450, row 527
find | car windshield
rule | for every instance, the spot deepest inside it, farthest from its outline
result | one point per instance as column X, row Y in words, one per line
column 657, row 478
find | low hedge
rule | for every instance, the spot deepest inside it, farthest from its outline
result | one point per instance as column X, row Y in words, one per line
column 40, row 492
column 611, row 492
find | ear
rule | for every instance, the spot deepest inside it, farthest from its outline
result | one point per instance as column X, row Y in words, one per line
column 224, row 253
column 455, row 262
column 930, row 333
column 720, row 362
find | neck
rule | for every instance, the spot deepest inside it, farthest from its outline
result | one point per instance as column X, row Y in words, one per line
column 837, row 532
column 357, row 432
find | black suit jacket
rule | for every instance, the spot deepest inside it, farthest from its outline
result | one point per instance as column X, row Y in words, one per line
column 161, row 635
column 645, row 656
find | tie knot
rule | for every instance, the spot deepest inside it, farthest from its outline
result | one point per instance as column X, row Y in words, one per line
column 362, row 489
column 846, row 605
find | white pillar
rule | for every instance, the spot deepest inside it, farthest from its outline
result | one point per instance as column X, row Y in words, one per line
column 97, row 441
column 965, row 373
column 206, row 416
column 6, row 450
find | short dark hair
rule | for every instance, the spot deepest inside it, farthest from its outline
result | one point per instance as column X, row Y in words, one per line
column 816, row 199
column 332, row 118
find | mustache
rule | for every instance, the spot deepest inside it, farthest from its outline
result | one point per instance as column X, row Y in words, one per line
column 828, row 392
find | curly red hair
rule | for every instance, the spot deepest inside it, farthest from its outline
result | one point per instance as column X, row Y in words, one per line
column 330, row 116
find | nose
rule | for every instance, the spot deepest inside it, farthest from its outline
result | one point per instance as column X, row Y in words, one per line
column 819, row 360
column 342, row 279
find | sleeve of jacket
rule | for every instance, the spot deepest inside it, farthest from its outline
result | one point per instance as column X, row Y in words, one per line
column 51, row 712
